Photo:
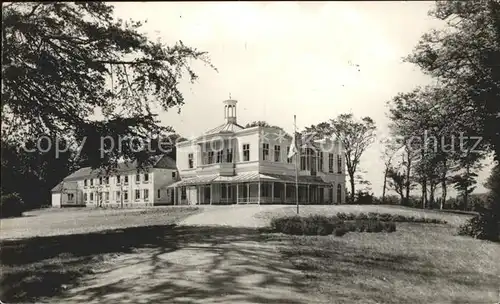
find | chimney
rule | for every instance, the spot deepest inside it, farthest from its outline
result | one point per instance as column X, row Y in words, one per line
column 230, row 110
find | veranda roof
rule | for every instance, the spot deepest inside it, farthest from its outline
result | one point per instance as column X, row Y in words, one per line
column 247, row 177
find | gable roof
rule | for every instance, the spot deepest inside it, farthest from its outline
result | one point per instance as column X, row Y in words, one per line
column 67, row 186
column 158, row 161
column 228, row 127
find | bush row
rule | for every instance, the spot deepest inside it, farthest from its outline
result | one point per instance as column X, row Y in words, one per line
column 322, row 225
column 485, row 226
column 11, row 205
column 387, row 217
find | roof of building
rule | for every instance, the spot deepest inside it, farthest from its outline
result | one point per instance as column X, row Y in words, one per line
column 246, row 177
column 228, row 127
column 67, row 186
column 159, row 161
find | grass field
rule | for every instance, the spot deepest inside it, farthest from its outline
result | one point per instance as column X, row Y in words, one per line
column 419, row 263
column 48, row 254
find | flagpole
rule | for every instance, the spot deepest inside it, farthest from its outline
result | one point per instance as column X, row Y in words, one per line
column 297, row 159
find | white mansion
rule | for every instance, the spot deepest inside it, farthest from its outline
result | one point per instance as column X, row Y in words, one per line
column 229, row 164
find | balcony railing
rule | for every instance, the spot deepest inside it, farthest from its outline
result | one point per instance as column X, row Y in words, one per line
column 224, row 169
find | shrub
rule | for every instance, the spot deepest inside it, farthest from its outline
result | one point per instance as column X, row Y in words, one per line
column 389, row 227
column 340, row 231
column 11, row 205
column 485, row 226
column 342, row 216
column 362, row 216
column 313, row 225
column 321, row 225
column 387, row 217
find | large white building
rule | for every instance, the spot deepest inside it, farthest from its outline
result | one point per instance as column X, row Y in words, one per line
column 125, row 187
column 231, row 164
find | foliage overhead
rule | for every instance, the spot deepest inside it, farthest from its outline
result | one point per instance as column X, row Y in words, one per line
column 62, row 62
column 355, row 135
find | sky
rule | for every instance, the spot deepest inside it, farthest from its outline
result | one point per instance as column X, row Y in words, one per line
column 280, row 59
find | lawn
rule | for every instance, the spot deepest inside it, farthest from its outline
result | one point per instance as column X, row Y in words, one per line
column 140, row 256
column 419, row 263
column 64, row 221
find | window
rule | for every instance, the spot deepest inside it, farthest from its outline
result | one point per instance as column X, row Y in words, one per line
column 125, row 195
column 265, row 151
column 146, row 194
column 210, row 159
column 303, row 160
column 330, row 162
column 339, row 194
column 183, row 193
column 277, row 153
column 85, row 183
column 190, row 160
column 100, row 180
column 158, row 194
column 146, row 177
column 106, row 180
column 339, row 164
column 320, row 161
column 85, row 197
column 246, row 152
column 71, row 196
column 91, row 181
column 118, row 179
column 106, row 196
column 125, row 179
column 229, row 155
column 118, row 195
column 265, row 190
column 288, row 159
column 137, row 178
column 137, row 194
column 219, row 156
column 173, row 174
column 91, row 196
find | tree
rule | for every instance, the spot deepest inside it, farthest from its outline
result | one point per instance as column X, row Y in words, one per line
column 62, row 62
column 387, row 155
column 261, row 123
column 397, row 182
column 464, row 58
column 354, row 135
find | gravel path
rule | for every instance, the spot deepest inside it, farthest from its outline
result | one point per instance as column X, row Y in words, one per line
column 232, row 216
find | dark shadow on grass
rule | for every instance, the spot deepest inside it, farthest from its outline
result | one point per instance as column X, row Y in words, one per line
column 39, row 268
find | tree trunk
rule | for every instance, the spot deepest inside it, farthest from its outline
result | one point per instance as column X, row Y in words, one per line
column 384, row 187
column 443, row 193
column 431, row 193
column 424, row 193
column 443, row 185
column 466, row 194
column 407, row 184
column 351, row 178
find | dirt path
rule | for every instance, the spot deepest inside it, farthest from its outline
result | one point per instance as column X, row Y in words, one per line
column 196, row 265
column 232, row 216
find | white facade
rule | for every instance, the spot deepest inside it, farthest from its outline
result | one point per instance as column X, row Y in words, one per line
column 121, row 189
column 251, row 165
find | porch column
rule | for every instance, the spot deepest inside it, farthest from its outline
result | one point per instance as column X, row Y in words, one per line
column 272, row 192
column 258, row 199
column 227, row 192
column 211, row 193
column 237, row 193
column 284, row 200
column 248, row 193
